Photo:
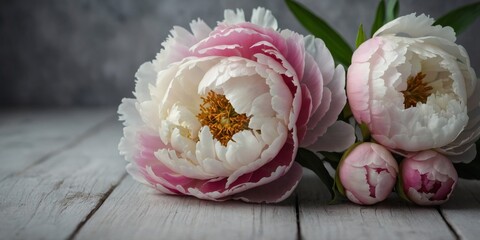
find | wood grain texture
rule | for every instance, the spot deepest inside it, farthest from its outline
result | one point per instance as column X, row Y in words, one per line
column 462, row 211
column 134, row 211
column 30, row 136
column 392, row 219
column 61, row 178
column 50, row 199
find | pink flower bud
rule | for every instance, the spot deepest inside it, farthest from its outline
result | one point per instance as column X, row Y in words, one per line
column 368, row 174
column 428, row 178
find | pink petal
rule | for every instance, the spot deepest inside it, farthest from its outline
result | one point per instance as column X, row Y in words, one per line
column 358, row 91
column 275, row 191
column 239, row 39
column 313, row 79
column 316, row 130
column 304, row 112
column 366, row 50
column 295, row 52
column 316, row 48
column 175, row 48
column 333, row 109
column 153, row 171
column 339, row 137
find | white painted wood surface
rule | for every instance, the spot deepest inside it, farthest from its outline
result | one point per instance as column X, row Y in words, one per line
column 51, row 199
column 462, row 211
column 61, row 178
column 134, row 211
column 392, row 219
column 27, row 137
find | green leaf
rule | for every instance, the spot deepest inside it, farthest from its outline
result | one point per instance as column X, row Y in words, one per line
column 379, row 17
column 346, row 112
column 338, row 190
column 338, row 184
column 460, row 18
column 341, row 51
column 393, row 6
column 332, row 156
column 360, row 36
column 365, row 132
column 399, row 189
column 309, row 160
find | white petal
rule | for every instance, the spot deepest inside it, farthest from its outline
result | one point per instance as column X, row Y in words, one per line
column 183, row 145
column 128, row 112
column 266, row 155
column 232, row 17
column 262, row 106
column 181, row 165
column 267, row 126
column 205, row 147
column 215, row 167
column 243, row 149
column 223, row 71
column 128, row 145
column 243, row 91
column 282, row 98
column 146, row 75
column 416, row 26
column 317, row 49
column 200, row 29
column 264, row 18
column 175, row 48
column 466, row 156
column 133, row 170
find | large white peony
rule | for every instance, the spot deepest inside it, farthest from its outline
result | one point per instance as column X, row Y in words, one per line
column 220, row 114
column 414, row 88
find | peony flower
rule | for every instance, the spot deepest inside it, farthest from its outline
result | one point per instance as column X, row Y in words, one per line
column 220, row 114
column 428, row 178
column 368, row 174
column 414, row 88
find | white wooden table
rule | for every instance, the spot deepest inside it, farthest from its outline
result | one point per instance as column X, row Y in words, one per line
column 61, row 177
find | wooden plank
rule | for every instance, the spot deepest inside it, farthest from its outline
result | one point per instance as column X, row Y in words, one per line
column 31, row 136
column 462, row 211
column 392, row 219
column 134, row 211
column 52, row 198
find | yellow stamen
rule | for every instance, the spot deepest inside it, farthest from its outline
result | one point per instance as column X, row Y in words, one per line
column 218, row 114
column 417, row 91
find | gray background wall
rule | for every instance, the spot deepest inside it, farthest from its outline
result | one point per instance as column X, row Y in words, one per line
column 85, row 52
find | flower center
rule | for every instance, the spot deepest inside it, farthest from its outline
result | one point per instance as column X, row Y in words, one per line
column 218, row 114
column 417, row 91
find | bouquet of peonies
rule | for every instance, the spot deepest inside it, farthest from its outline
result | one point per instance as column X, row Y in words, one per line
column 234, row 112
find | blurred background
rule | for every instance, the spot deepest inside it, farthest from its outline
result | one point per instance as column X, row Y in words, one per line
column 64, row 53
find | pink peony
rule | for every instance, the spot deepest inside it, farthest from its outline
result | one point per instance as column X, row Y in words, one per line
column 368, row 174
column 220, row 114
column 428, row 178
column 414, row 88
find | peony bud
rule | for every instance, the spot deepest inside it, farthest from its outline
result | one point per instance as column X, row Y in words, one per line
column 428, row 178
column 368, row 174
